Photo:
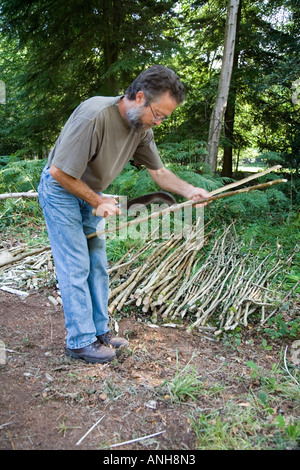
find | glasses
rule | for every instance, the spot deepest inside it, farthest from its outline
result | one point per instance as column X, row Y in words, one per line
column 157, row 118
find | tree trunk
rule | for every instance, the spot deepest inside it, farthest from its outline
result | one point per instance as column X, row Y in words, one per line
column 229, row 136
column 217, row 116
column 230, row 110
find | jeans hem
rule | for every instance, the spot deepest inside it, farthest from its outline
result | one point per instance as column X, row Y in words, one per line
column 84, row 345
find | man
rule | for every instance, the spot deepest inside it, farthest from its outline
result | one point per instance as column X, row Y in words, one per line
column 97, row 141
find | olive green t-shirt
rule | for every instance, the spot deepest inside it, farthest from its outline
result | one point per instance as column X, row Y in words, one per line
column 96, row 143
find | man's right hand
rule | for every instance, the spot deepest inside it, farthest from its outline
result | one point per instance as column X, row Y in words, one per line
column 108, row 207
column 104, row 205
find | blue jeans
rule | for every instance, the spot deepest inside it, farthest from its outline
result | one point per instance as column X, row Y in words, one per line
column 81, row 264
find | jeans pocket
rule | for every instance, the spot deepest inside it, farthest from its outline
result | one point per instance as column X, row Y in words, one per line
column 50, row 181
column 54, row 191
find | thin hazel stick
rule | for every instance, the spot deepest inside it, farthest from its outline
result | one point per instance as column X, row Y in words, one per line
column 136, row 440
column 17, row 195
column 231, row 185
column 178, row 207
column 244, row 180
column 88, row 432
column 286, row 367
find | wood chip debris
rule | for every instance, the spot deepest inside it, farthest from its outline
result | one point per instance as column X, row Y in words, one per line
column 24, row 269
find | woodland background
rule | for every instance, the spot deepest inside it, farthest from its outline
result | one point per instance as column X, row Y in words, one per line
column 54, row 55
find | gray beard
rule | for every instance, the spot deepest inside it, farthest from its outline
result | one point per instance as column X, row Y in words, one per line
column 133, row 117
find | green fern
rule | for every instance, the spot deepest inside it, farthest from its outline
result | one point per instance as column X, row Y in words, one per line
column 205, row 181
column 19, row 176
column 134, row 182
column 184, row 153
column 271, row 158
column 246, row 203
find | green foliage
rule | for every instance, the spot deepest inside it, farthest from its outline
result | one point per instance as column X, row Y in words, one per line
column 134, row 182
column 249, row 207
column 20, row 176
column 66, row 53
column 100, row 47
column 205, row 180
column 254, row 422
column 270, row 158
column 279, row 328
column 4, row 160
column 116, row 248
column 187, row 153
column 257, row 203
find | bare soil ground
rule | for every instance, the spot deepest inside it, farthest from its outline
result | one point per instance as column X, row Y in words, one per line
column 49, row 401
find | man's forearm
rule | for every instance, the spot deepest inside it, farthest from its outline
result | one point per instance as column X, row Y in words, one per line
column 168, row 181
column 76, row 187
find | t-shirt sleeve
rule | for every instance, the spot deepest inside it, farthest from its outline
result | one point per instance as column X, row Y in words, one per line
column 74, row 147
column 147, row 154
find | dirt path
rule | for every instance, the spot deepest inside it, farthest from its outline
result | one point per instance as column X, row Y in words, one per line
column 50, row 402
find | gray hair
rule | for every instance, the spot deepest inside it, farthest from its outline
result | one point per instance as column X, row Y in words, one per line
column 156, row 81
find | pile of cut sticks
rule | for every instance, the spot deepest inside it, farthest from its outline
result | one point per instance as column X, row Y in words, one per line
column 171, row 283
column 164, row 265
column 218, row 290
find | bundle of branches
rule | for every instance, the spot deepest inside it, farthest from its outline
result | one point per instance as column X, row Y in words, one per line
column 165, row 265
column 231, row 285
column 222, row 288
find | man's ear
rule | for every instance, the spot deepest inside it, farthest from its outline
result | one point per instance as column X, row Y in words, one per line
column 140, row 97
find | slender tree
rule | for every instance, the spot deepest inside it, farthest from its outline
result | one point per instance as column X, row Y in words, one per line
column 229, row 116
column 219, row 109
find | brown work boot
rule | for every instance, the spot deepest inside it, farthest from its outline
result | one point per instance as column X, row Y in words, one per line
column 115, row 341
column 93, row 353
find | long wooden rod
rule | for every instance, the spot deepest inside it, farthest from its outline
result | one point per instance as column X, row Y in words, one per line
column 245, row 180
column 178, row 207
column 18, row 195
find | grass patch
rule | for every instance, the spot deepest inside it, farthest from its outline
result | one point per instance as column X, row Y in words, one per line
column 255, row 421
column 244, row 427
column 186, row 383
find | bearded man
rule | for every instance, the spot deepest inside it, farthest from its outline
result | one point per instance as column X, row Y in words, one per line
column 95, row 144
